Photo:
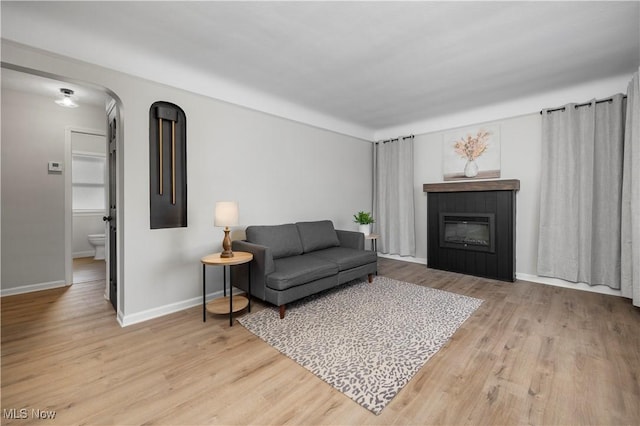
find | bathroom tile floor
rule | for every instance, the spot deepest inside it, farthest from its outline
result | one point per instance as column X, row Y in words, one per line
column 86, row 269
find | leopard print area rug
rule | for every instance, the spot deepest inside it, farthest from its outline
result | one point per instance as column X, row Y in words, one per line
column 365, row 340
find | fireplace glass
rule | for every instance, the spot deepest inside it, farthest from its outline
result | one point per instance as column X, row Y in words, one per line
column 467, row 231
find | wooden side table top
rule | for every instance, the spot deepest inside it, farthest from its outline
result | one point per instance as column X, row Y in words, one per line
column 372, row 237
column 239, row 257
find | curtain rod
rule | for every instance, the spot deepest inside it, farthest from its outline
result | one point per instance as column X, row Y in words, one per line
column 397, row 139
column 581, row 105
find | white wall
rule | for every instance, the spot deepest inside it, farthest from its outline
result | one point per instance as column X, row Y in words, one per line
column 520, row 159
column 519, row 121
column 33, row 133
column 278, row 170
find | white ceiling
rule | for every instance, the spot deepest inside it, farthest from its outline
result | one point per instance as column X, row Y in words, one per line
column 369, row 65
column 43, row 86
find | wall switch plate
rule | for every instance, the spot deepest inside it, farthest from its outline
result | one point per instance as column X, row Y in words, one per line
column 55, row 166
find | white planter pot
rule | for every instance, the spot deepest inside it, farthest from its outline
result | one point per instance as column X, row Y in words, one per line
column 365, row 229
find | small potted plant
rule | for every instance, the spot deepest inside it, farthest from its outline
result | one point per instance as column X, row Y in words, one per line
column 365, row 220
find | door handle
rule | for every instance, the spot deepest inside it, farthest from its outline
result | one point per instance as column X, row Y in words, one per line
column 107, row 218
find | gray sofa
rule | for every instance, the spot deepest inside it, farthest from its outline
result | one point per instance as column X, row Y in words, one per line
column 293, row 261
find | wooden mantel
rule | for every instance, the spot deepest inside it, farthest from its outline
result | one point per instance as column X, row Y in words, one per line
column 480, row 185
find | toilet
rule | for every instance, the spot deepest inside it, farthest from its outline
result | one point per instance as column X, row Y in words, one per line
column 97, row 241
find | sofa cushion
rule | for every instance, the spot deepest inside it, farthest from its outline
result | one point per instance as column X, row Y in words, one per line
column 297, row 270
column 317, row 235
column 346, row 258
column 283, row 240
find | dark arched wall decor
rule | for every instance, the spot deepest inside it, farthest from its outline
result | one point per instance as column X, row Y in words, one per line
column 167, row 166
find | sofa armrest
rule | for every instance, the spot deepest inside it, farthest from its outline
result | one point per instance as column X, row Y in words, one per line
column 261, row 265
column 351, row 239
column 261, row 255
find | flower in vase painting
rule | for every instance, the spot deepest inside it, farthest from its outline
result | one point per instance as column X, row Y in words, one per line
column 470, row 147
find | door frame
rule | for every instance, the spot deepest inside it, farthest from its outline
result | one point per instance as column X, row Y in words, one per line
column 68, row 197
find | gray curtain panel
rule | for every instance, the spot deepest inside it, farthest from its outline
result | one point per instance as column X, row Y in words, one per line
column 393, row 208
column 630, row 244
column 581, row 193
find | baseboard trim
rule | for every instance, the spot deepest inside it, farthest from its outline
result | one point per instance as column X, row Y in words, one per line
column 86, row 253
column 31, row 288
column 135, row 318
column 556, row 282
column 600, row 289
column 404, row 258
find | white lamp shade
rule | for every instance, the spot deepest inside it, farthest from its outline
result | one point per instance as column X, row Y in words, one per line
column 226, row 213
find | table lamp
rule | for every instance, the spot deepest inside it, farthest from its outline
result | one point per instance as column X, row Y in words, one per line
column 226, row 215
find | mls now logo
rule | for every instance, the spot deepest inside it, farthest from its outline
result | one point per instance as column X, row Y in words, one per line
column 23, row 413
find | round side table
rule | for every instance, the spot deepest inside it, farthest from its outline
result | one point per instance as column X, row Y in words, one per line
column 227, row 304
column 374, row 241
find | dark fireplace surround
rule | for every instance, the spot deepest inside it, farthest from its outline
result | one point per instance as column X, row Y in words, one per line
column 471, row 227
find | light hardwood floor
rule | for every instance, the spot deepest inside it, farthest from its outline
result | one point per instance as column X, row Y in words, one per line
column 86, row 269
column 531, row 354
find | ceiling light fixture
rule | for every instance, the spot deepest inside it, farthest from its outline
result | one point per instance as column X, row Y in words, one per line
column 66, row 100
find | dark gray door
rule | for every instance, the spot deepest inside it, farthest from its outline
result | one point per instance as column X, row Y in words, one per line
column 113, row 258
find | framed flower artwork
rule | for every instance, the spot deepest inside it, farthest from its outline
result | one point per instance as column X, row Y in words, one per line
column 471, row 153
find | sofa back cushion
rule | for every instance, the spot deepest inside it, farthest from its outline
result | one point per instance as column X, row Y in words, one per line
column 317, row 235
column 283, row 240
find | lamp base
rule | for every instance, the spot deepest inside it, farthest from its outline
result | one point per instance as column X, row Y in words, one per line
column 226, row 245
column 226, row 254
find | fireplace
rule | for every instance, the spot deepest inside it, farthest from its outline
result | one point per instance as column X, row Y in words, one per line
column 471, row 227
column 468, row 231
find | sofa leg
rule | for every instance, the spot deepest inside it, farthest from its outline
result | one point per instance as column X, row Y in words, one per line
column 370, row 278
column 282, row 309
